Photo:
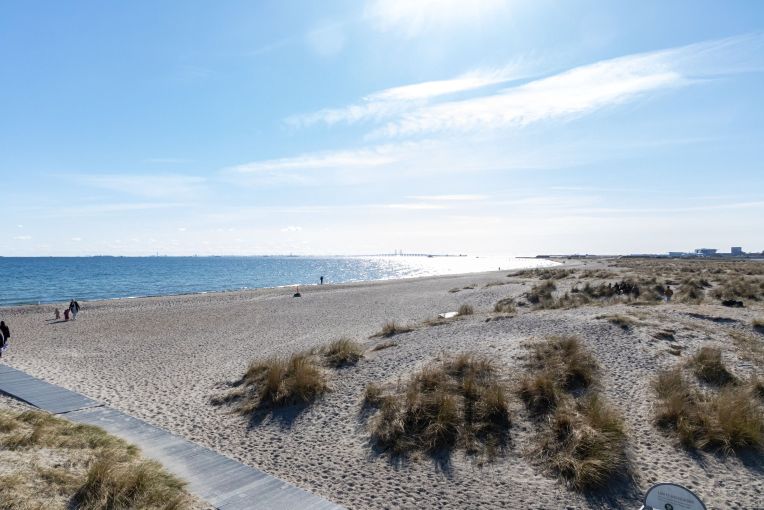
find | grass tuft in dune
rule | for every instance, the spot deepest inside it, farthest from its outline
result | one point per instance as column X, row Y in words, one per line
column 466, row 309
column 692, row 290
column 114, row 482
column 622, row 321
column 582, row 438
column 758, row 325
column 277, row 382
column 60, row 464
column 541, row 294
column 727, row 420
column 457, row 403
column 739, row 287
column 506, row 305
column 585, row 443
column 343, row 352
column 37, row 429
column 391, row 328
column 708, row 366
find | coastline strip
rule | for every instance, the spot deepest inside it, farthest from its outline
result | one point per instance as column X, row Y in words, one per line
column 219, row 480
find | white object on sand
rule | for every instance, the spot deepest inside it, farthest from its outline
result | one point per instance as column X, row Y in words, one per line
column 448, row 315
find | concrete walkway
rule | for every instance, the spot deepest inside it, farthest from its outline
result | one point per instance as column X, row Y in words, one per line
column 220, row 481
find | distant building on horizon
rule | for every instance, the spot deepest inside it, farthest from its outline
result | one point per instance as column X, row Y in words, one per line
column 706, row 252
column 737, row 251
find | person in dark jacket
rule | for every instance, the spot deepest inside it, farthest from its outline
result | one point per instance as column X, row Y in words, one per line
column 74, row 308
column 5, row 335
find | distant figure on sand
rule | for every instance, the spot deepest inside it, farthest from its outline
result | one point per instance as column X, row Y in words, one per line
column 74, row 308
column 668, row 293
column 5, row 335
column 322, row 280
column 66, row 314
column 57, row 314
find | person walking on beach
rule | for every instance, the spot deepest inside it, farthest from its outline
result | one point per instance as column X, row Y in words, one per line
column 322, row 280
column 66, row 313
column 57, row 314
column 5, row 335
column 668, row 293
column 74, row 308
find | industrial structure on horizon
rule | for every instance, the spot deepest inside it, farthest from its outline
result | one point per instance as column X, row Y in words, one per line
column 735, row 251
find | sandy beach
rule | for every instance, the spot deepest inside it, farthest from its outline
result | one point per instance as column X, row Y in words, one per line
column 161, row 359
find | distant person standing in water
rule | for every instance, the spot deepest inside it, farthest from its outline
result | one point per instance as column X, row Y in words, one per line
column 74, row 308
column 322, row 280
column 5, row 335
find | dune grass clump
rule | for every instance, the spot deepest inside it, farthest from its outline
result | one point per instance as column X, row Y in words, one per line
column 392, row 328
column 457, row 403
column 541, row 294
column 566, row 360
column 692, row 290
column 728, row 420
column 585, row 443
column 738, row 288
column 758, row 325
column 582, row 437
column 37, row 429
column 466, row 309
column 506, row 305
column 277, row 382
column 343, row 352
column 622, row 321
column 708, row 366
column 61, row 464
column 116, row 482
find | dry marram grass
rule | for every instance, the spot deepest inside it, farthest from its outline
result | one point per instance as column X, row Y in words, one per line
column 729, row 420
column 277, row 382
column 61, row 464
column 391, row 328
column 582, row 438
column 343, row 352
column 459, row 402
column 466, row 310
column 708, row 366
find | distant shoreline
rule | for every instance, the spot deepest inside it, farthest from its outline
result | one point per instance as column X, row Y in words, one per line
column 219, row 286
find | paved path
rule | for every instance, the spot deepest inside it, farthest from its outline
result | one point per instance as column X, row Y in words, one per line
column 222, row 482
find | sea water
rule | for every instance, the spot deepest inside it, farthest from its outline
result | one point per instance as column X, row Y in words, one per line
column 31, row 280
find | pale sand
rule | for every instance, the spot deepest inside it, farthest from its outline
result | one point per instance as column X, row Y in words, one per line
column 161, row 359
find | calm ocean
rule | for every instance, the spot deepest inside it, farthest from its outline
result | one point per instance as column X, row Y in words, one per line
column 30, row 280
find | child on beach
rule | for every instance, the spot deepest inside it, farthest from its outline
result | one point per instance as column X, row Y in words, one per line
column 668, row 293
column 57, row 314
column 66, row 314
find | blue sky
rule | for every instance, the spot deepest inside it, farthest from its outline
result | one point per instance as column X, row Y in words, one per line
column 347, row 127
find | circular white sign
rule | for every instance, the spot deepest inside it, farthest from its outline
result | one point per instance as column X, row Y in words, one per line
column 669, row 496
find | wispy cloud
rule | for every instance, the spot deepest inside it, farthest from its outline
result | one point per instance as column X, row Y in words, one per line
column 584, row 89
column 370, row 157
column 291, row 228
column 22, row 238
column 148, row 186
column 396, row 100
column 429, row 107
